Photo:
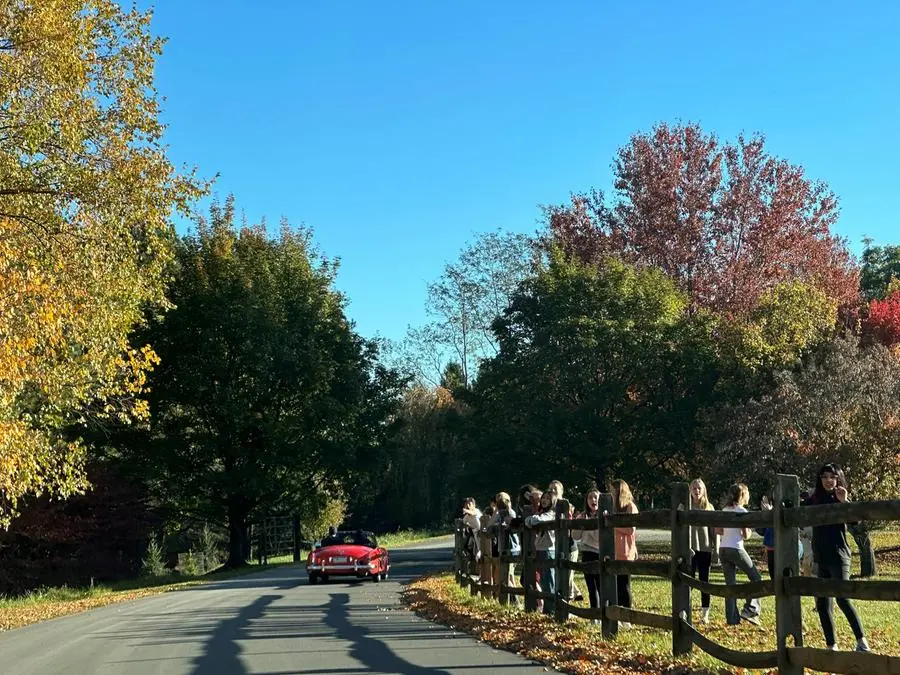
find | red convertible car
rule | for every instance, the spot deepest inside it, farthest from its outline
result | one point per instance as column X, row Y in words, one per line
column 348, row 554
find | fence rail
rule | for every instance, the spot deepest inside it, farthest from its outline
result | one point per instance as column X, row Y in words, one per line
column 787, row 586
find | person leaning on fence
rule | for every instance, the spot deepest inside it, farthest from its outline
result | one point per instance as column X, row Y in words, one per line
column 626, row 543
column 545, row 547
column 499, row 528
column 486, row 564
column 526, row 509
column 704, row 543
column 574, row 592
column 589, row 545
column 832, row 556
column 733, row 556
column 471, row 517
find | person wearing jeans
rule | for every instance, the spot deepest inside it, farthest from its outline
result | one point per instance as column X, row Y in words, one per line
column 734, row 559
column 733, row 556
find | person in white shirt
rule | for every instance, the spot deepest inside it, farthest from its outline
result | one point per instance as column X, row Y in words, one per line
column 471, row 517
column 733, row 555
column 545, row 547
column 589, row 545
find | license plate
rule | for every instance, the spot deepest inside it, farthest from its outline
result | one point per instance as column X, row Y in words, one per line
column 339, row 558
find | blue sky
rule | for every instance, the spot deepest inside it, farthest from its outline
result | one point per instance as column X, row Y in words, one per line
column 397, row 130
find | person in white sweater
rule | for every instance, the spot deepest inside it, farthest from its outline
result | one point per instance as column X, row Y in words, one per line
column 471, row 517
column 589, row 545
column 545, row 546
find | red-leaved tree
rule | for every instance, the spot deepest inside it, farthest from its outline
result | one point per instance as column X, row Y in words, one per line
column 726, row 220
column 882, row 321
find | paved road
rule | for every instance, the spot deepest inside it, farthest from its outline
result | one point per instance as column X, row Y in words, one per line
column 270, row 623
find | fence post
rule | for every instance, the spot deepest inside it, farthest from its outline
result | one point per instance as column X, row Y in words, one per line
column 681, row 562
column 561, row 610
column 528, row 576
column 295, row 534
column 609, row 593
column 484, row 565
column 457, row 545
column 788, row 612
column 502, row 550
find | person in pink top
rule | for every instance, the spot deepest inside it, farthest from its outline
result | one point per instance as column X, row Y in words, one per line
column 626, row 546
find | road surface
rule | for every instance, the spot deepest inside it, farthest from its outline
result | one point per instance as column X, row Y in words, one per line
column 270, row 623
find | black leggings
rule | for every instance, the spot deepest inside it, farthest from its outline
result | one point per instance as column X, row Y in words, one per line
column 836, row 569
column 592, row 580
column 623, row 587
column 701, row 562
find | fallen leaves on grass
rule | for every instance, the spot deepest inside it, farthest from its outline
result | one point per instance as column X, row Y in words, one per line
column 567, row 648
column 29, row 613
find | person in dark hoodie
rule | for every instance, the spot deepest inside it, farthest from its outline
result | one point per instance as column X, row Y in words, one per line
column 832, row 555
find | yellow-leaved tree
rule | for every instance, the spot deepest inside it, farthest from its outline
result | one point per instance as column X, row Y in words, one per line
column 86, row 199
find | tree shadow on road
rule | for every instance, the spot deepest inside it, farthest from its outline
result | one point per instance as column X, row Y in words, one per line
column 369, row 651
column 222, row 653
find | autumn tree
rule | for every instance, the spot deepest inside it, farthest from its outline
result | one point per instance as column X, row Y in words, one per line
column 416, row 481
column 881, row 321
column 265, row 396
column 841, row 403
column 86, row 194
column 728, row 220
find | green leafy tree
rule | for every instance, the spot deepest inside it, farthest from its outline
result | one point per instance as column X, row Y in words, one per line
column 599, row 374
column 86, row 196
column 265, row 396
column 880, row 265
column 788, row 321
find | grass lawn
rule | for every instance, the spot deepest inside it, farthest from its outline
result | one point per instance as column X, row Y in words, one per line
column 391, row 540
column 577, row 646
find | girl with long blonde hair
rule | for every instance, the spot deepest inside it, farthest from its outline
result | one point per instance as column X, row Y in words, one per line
column 626, row 544
column 704, row 543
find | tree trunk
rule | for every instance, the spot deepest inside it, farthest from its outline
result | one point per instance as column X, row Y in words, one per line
column 238, row 542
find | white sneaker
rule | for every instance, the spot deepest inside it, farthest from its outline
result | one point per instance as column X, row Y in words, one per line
column 704, row 615
column 862, row 645
column 624, row 624
column 750, row 616
column 832, row 648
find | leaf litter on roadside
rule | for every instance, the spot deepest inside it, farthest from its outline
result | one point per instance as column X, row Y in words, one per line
column 567, row 648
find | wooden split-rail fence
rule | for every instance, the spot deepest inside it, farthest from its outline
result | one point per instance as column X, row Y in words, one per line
column 790, row 656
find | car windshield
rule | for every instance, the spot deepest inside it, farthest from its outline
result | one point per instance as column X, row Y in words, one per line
column 358, row 537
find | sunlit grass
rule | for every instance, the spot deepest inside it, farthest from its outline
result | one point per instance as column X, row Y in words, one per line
column 401, row 537
column 881, row 620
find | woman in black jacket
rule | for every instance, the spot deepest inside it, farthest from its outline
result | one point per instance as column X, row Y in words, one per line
column 832, row 555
